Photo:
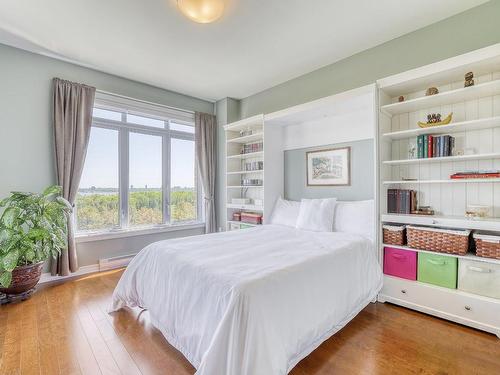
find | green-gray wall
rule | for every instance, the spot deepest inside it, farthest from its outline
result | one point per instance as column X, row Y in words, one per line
column 467, row 31
column 26, row 145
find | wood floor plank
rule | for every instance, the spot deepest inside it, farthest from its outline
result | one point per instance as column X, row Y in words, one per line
column 76, row 336
column 30, row 360
column 62, row 312
column 3, row 329
column 11, row 357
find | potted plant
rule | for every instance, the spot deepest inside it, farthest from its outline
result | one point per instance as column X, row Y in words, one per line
column 33, row 227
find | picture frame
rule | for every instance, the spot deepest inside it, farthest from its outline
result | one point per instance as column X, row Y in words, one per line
column 329, row 167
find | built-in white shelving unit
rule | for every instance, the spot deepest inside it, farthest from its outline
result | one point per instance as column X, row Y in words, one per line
column 476, row 128
column 240, row 166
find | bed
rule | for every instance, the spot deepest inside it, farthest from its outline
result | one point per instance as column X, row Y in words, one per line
column 253, row 301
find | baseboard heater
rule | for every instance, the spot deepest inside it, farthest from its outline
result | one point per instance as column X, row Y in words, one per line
column 115, row 262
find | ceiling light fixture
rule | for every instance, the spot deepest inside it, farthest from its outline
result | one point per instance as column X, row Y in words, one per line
column 201, row 11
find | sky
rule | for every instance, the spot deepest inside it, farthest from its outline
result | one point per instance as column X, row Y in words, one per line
column 101, row 164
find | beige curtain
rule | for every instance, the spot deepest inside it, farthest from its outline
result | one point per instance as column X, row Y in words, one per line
column 73, row 103
column 206, row 137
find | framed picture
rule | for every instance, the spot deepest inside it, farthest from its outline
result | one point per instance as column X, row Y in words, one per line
column 329, row 167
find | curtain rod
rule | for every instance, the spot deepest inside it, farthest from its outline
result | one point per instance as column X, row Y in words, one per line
column 144, row 101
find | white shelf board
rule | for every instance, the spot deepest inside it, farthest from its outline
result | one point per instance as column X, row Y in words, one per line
column 245, row 172
column 494, row 155
column 468, row 256
column 254, row 122
column 246, row 156
column 242, row 222
column 449, row 181
column 250, row 207
column 243, row 186
column 447, row 97
column 248, row 138
column 483, row 123
column 460, row 222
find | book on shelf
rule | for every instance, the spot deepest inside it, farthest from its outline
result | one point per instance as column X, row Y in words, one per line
column 400, row 201
column 252, row 147
column 476, row 174
column 429, row 146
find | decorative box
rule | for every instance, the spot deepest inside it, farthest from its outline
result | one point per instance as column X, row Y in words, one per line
column 436, row 269
column 251, row 218
column 487, row 245
column 450, row 241
column 394, row 234
column 400, row 263
column 479, row 278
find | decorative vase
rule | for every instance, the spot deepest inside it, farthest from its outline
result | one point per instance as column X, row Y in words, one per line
column 24, row 278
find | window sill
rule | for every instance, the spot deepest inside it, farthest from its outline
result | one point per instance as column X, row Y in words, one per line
column 123, row 233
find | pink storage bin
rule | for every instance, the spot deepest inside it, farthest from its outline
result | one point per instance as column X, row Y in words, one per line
column 400, row 263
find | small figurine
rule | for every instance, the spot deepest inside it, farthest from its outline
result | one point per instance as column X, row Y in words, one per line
column 469, row 79
column 401, row 99
column 433, row 118
column 431, row 91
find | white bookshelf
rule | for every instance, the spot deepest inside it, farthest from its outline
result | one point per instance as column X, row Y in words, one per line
column 271, row 185
column 476, row 128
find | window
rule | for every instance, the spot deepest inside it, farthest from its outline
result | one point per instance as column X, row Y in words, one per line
column 98, row 197
column 140, row 168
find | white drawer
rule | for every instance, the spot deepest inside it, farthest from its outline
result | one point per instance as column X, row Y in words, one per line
column 464, row 308
column 479, row 278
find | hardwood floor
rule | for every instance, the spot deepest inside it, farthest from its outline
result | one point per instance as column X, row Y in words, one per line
column 64, row 329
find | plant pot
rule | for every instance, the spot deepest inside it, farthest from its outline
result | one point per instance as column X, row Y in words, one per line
column 24, row 278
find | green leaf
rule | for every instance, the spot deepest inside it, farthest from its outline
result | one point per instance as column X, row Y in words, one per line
column 52, row 190
column 5, row 279
column 4, row 235
column 37, row 233
column 9, row 216
column 9, row 261
column 30, row 255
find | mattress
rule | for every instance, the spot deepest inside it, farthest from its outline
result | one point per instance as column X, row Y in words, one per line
column 253, row 301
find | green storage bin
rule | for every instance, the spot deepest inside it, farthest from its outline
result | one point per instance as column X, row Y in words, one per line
column 438, row 270
column 245, row 226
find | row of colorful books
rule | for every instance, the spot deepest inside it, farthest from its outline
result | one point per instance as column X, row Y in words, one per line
column 476, row 174
column 429, row 146
column 401, row 201
column 252, row 147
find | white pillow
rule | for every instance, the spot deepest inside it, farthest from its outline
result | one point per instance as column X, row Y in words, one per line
column 355, row 217
column 285, row 212
column 316, row 214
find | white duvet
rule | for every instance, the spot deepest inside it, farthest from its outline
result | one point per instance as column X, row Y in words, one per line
column 254, row 301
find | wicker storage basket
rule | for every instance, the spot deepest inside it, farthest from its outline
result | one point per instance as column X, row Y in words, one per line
column 447, row 241
column 394, row 234
column 487, row 246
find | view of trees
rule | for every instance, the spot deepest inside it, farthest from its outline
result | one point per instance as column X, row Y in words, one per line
column 99, row 208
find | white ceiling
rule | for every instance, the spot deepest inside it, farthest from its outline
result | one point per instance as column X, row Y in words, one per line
column 257, row 44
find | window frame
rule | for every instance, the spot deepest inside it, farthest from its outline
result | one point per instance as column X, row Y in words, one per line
column 124, row 129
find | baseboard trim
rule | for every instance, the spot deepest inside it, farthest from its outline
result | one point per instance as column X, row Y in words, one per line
column 84, row 270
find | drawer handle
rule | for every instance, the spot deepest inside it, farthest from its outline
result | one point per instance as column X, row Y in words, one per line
column 437, row 262
column 468, row 308
column 399, row 256
column 403, row 291
column 479, row 269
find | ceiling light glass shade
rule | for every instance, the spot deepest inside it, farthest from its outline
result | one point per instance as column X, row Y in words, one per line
column 201, row 11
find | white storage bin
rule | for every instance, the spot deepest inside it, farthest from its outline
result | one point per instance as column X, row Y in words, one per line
column 479, row 278
column 234, row 226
